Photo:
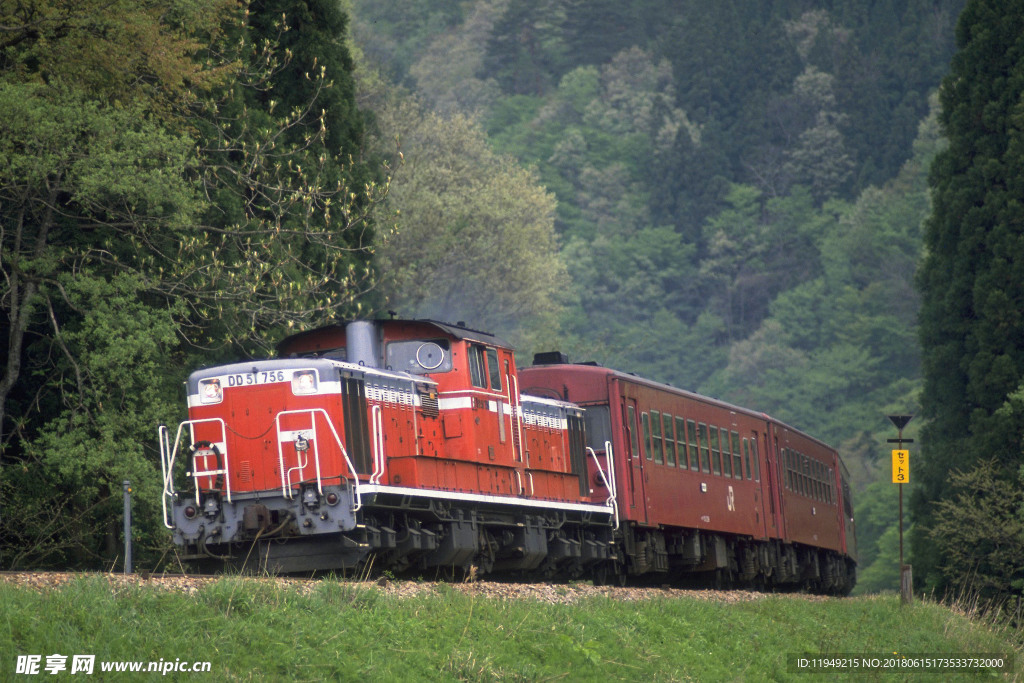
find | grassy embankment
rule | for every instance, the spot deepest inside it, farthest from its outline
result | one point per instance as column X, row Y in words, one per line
column 337, row 631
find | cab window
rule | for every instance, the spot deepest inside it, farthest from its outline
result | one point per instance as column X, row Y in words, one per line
column 476, row 366
column 419, row 357
column 494, row 370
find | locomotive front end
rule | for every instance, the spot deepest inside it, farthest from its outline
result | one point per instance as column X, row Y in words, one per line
column 264, row 451
column 399, row 445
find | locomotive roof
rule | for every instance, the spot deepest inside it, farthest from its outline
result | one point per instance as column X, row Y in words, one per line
column 458, row 331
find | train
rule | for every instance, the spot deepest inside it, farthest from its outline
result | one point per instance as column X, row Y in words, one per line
column 419, row 446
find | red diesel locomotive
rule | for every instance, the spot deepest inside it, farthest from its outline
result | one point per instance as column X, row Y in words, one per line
column 409, row 445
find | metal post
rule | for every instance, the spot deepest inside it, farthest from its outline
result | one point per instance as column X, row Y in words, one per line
column 906, row 580
column 899, row 439
column 127, row 527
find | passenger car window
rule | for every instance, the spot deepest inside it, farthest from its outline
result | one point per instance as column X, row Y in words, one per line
column 684, row 458
column 753, row 454
column 656, row 443
column 726, row 454
column 631, row 426
column 716, row 452
column 646, row 419
column 746, row 455
column 702, row 434
column 691, row 430
column 737, row 459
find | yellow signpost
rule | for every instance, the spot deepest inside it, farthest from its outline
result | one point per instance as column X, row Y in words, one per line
column 900, row 467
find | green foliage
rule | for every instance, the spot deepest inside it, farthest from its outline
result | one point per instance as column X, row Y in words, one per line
column 287, row 234
column 979, row 532
column 114, row 378
column 475, row 238
column 838, row 336
column 641, row 116
column 878, row 551
column 199, row 191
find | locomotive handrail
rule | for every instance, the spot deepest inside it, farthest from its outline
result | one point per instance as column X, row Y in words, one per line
column 169, row 454
column 516, row 413
column 378, row 444
column 285, row 482
column 163, row 436
column 344, row 454
column 608, row 479
column 301, row 462
column 286, row 473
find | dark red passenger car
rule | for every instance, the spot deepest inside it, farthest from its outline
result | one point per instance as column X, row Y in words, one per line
column 704, row 486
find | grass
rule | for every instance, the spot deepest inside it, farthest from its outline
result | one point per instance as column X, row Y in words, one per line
column 260, row 631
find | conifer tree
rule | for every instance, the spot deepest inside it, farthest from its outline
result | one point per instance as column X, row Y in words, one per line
column 971, row 281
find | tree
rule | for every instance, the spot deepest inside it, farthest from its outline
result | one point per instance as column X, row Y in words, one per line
column 89, row 168
column 162, row 203
column 756, row 249
column 78, row 177
column 972, row 330
column 289, row 230
column 979, row 532
column 475, row 238
column 448, row 74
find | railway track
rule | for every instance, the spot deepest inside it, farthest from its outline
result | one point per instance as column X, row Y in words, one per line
column 555, row 593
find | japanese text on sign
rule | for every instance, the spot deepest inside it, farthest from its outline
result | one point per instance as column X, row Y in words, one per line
column 900, row 467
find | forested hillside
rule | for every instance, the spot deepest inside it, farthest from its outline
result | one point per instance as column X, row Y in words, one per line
column 739, row 192
column 724, row 196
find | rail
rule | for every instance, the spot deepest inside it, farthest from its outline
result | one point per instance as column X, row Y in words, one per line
column 378, row 445
column 286, row 476
column 169, row 454
column 516, row 408
column 608, row 479
column 301, row 449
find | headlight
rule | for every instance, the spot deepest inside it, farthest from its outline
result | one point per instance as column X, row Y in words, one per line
column 210, row 391
column 304, row 382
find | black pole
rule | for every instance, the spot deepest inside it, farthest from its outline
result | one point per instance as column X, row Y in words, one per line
column 900, row 447
column 127, row 527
